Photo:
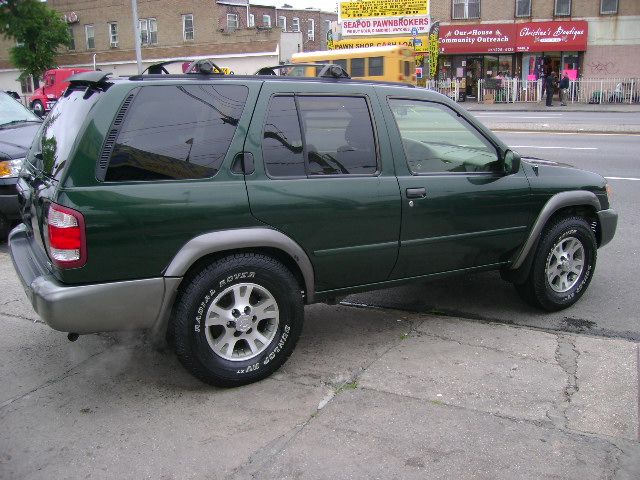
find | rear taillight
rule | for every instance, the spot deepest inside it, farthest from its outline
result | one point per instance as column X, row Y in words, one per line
column 66, row 242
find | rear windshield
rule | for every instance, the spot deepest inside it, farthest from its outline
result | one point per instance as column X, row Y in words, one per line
column 60, row 130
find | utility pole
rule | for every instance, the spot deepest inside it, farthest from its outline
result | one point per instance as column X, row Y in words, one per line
column 136, row 34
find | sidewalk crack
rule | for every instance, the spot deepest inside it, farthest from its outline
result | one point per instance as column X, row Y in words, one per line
column 567, row 358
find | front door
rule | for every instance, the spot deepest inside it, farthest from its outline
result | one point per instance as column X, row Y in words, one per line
column 324, row 176
column 459, row 209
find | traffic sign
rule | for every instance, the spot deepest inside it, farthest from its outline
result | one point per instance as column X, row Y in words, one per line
column 414, row 32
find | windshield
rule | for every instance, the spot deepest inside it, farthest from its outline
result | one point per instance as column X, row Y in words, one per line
column 11, row 111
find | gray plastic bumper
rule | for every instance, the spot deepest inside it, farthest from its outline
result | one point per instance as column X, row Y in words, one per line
column 608, row 223
column 92, row 308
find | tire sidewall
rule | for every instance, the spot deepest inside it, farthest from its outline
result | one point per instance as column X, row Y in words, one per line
column 283, row 342
column 549, row 298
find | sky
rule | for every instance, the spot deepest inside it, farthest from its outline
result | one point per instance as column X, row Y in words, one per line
column 326, row 5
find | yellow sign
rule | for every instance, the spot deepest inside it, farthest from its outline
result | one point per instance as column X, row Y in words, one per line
column 383, row 8
column 421, row 42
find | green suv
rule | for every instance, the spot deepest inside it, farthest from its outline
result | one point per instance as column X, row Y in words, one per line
column 211, row 209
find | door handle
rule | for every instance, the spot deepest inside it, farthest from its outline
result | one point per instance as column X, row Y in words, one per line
column 416, row 192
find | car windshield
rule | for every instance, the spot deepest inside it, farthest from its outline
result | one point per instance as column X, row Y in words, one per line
column 13, row 112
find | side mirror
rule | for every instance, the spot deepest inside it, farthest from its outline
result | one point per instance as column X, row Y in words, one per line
column 511, row 162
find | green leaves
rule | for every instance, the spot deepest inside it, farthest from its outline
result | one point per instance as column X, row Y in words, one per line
column 38, row 31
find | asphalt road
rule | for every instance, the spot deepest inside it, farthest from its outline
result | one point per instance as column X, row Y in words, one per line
column 608, row 308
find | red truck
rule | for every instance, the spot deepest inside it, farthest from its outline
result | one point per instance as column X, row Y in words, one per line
column 54, row 84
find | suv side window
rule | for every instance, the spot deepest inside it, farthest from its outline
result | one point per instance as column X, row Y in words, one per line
column 176, row 132
column 282, row 140
column 338, row 137
column 437, row 140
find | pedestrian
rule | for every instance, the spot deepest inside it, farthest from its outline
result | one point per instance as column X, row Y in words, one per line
column 550, row 84
column 564, row 89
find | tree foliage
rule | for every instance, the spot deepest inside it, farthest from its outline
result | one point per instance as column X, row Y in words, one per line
column 38, row 32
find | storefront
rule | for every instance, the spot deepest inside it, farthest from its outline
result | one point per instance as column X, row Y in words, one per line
column 505, row 50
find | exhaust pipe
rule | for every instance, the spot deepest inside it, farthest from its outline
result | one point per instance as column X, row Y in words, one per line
column 72, row 337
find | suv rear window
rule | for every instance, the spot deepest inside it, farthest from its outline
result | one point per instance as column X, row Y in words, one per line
column 175, row 132
column 60, row 130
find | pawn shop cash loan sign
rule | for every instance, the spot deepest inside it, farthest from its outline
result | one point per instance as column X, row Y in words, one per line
column 384, row 17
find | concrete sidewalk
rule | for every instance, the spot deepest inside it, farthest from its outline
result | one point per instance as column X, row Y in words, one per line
column 367, row 394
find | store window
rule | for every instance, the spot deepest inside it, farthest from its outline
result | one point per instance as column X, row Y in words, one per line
column 466, row 9
column 523, row 8
column 563, row 8
column 608, row 7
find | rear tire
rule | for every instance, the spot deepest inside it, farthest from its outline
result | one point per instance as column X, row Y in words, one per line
column 238, row 320
column 562, row 267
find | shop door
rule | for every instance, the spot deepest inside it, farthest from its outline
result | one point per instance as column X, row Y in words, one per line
column 474, row 73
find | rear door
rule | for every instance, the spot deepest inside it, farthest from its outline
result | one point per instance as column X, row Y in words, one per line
column 324, row 176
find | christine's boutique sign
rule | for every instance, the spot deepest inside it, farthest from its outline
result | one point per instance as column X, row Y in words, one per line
column 513, row 37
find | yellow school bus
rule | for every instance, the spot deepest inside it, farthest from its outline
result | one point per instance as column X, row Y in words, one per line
column 393, row 63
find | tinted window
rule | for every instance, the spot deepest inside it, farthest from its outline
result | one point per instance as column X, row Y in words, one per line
column 357, row 67
column 61, row 128
column 376, row 66
column 338, row 135
column 436, row 139
column 282, row 142
column 176, row 132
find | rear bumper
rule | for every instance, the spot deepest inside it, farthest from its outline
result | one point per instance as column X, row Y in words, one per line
column 608, row 222
column 91, row 308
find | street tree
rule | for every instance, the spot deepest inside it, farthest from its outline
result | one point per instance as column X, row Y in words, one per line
column 38, row 32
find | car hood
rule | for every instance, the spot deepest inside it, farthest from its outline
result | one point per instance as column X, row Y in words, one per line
column 15, row 140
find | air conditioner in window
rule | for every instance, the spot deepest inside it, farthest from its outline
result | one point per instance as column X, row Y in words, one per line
column 114, row 44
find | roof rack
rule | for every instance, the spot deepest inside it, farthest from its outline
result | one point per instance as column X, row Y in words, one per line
column 327, row 70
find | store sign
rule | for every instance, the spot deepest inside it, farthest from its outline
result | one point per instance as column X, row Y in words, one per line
column 386, row 26
column 510, row 37
column 383, row 8
column 421, row 43
column 551, row 36
column 484, row 38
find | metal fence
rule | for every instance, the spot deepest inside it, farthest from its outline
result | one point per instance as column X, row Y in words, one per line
column 584, row 90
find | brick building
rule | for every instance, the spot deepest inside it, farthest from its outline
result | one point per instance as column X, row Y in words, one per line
column 528, row 38
column 236, row 34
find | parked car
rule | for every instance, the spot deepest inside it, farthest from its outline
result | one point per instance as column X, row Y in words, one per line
column 18, row 127
column 54, row 84
column 212, row 208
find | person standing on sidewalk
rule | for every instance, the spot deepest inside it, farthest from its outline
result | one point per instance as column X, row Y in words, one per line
column 550, row 84
column 564, row 89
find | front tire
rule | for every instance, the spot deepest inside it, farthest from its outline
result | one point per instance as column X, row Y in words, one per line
column 563, row 265
column 238, row 320
column 38, row 108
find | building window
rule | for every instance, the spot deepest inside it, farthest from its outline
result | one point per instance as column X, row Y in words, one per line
column 148, row 31
column 563, row 8
column 266, row 21
column 113, row 34
column 311, row 29
column 608, row 6
column 295, row 24
column 187, row 27
column 72, row 40
column 90, row 34
column 252, row 20
column 523, row 8
column 282, row 23
column 232, row 21
column 466, row 9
